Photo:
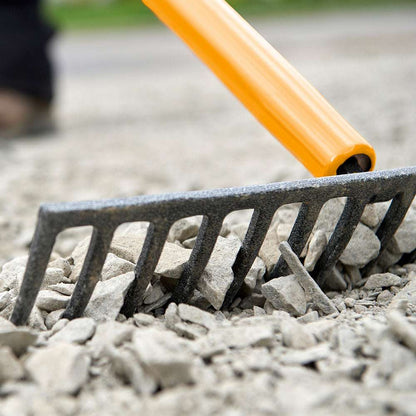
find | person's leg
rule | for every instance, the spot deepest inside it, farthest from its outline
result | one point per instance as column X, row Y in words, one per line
column 26, row 78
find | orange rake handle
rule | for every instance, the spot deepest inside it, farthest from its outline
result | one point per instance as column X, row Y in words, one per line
column 268, row 86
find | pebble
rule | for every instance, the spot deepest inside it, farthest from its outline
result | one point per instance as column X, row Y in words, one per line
column 363, row 247
column 295, row 335
column 62, row 264
column 153, row 293
column 197, row 316
column 407, row 293
column 313, row 292
column 49, row 300
column 10, row 367
column 385, row 297
column 115, row 266
column 108, row 297
column 184, row 229
column 382, row 280
column 142, row 319
column 306, row 356
column 315, row 249
column 172, row 261
column 269, row 251
column 53, row 318
column 403, row 330
column 405, row 236
column 243, row 336
column 59, row 368
column 77, row 331
column 163, row 356
column 285, row 293
column 217, row 277
column 63, row 288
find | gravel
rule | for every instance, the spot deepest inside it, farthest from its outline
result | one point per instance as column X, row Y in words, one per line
column 284, row 347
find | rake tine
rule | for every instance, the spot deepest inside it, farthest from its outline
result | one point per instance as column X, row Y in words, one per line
column 40, row 252
column 256, row 233
column 205, row 243
column 340, row 238
column 90, row 273
column 146, row 265
column 299, row 236
column 391, row 222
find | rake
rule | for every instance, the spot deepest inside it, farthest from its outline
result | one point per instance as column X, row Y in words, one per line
column 292, row 110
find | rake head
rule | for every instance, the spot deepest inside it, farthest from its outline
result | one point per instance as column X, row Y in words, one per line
column 161, row 211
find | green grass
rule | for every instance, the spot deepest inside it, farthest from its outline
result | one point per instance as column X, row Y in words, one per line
column 124, row 13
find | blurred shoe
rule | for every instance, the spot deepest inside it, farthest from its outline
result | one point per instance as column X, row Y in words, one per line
column 21, row 115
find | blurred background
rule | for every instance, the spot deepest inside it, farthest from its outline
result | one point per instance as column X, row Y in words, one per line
column 137, row 113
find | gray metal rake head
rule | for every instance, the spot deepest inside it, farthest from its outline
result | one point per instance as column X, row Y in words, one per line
column 161, row 211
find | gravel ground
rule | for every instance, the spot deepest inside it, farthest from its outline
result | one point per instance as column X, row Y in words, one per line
column 139, row 114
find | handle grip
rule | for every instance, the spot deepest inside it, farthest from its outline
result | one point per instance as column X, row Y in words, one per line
column 268, row 86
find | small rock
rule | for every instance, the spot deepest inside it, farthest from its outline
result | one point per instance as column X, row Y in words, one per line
column 172, row 261
column 217, row 277
column 12, row 273
column 188, row 330
column 184, row 229
column 77, row 331
column 115, row 266
column 337, row 367
column 363, row 247
column 190, row 243
column 108, row 297
column 109, row 333
column 53, row 318
column 53, row 276
column 384, row 297
column 142, row 319
column 312, row 316
column 269, row 251
column 49, row 300
column 5, row 324
column 10, row 367
column 295, row 335
column 256, row 273
column 403, row 330
column 171, row 316
column 407, row 293
column 285, row 293
column 63, row 288
column 128, row 247
column 405, row 379
column 371, row 216
column 197, row 316
column 321, row 329
column 59, row 368
column 153, row 294
column 315, row 249
column 312, row 290
column 243, row 336
column 5, row 299
column 382, row 280
column 158, row 304
column 163, row 356
column 405, row 236
column 349, row 302
column 306, row 356
column 62, row 264
column 125, row 364
column 18, row 339
column 59, row 325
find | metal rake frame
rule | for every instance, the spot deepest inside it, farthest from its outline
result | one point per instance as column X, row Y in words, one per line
column 162, row 211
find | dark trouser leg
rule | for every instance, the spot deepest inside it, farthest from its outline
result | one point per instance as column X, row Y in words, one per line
column 24, row 62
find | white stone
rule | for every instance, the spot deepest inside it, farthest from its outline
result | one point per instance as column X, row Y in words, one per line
column 49, row 300
column 172, row 261
column 77, row 331
column 243, row 336
column 382, row 280
column 115, row 266
column 63, row 288
column 59, row 368
column 315, row 248
column 218, row 275
column 363, row 247
column 184, row 229
column 405, row 236
column 108, row 297
column 295, row 335
column 285, row 293
column 269, row 251
column 197, row 316
column 163, row 356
